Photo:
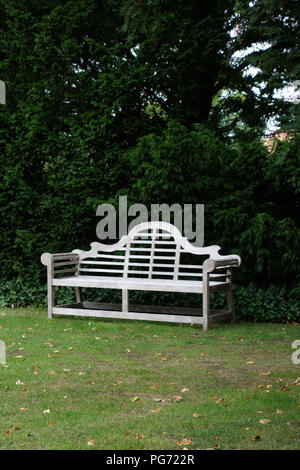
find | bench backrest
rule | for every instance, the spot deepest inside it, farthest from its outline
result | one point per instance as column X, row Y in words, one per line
column 151, row 250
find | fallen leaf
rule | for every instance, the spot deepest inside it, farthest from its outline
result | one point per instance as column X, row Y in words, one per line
column 46, row 412
column 185, row 442
column 24, row 409
column 133, row 400
column 265, row 421
column 256, row 438
column 285, row 387
column 140, row 435
column 249, row 363
column 91, row 443
column 156, row 411
column 279, row 412
column 197, row 415
column 177, row 398
column 185, row 390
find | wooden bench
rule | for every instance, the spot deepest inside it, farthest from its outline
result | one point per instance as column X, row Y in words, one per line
column 154, row 256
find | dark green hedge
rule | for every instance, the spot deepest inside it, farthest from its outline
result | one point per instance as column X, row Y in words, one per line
column 273, row 304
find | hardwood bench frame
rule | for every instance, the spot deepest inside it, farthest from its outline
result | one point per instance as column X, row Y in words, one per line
column 147, row 238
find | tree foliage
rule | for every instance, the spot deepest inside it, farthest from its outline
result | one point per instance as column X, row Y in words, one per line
column 147, row 99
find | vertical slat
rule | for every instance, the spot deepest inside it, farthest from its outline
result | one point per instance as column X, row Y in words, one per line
column 127, row 253
column 152, row 253
column 176, row 263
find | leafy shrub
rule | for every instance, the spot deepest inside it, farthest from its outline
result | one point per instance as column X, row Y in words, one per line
column 251, row 303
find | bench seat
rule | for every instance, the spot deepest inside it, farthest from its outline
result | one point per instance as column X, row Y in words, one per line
column 168, row 285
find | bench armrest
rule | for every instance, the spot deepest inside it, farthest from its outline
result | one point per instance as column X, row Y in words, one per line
column 60, row 263
column 230, row 261
column 48, row 258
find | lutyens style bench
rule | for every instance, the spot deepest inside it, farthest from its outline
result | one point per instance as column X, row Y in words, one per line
column 154, row 256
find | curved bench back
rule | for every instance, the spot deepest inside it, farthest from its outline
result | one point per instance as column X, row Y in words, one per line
column 151, row 250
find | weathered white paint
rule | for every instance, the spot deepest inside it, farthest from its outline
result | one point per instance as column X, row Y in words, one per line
column 148, row 258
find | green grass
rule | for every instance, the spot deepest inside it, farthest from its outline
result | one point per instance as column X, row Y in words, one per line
column 88, row 373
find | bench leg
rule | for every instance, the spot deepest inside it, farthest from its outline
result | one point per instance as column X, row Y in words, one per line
column 50, row 300
column 205, row 306
column 78, row 296
column 124, row 300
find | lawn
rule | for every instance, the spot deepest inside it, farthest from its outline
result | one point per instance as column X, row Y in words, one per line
column 72, row 383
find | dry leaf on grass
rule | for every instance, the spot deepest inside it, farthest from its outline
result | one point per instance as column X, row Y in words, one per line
column 265, row 421
column 91, row 443
column 197, row 415
column 177, row 398
column 157, row 410
column 18, row 382
column 185, row 442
